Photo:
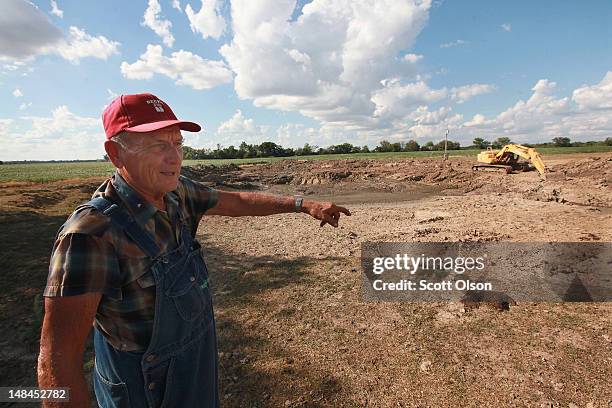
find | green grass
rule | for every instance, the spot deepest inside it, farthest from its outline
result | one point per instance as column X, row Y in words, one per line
column 44, row 172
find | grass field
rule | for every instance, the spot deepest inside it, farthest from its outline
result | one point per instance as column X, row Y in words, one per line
column 43, row 172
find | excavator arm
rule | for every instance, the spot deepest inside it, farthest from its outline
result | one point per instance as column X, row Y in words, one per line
column 527, row 153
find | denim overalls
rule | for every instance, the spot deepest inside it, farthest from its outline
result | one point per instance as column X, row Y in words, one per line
column 179, row 368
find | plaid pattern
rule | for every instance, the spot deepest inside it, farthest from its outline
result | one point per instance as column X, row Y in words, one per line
column 92, row 255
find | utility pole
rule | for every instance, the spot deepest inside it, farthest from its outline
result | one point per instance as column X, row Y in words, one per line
column 445, row 145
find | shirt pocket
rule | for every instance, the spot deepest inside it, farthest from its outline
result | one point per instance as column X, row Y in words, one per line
column 137, row 268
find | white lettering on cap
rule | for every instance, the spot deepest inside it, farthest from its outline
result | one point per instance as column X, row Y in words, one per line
column 157, row 104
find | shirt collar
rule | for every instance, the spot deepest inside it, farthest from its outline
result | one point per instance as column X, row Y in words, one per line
column 140, row 208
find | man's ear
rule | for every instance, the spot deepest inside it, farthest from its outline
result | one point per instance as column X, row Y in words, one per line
column 113, row 150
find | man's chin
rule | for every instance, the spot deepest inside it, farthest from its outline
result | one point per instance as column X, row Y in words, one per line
column 172, row 186
column 169, row 185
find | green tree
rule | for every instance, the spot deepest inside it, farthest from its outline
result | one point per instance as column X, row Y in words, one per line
column 428, row 146
column 411, row 146
column 343, row 148
column 450, row 145
column 230, row 152
column 189, row 153
column 383, row 146
column 267, row 149
column 608, row 141
column 307, row 149
column 396, row 147
column 453, row 145
column 481, row 143
column 243, row 150
column 501, row 141
column 562, row 141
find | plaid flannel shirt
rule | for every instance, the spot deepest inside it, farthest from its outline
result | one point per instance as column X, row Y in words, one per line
column 91, row 254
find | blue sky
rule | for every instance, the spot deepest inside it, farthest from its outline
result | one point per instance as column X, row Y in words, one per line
column 320, row 72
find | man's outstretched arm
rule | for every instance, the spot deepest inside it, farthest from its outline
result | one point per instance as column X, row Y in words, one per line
column 238, row 204
column 68, row 321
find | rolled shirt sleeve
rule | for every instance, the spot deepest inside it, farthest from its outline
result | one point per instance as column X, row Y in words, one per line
column 83, row 263
column 199, row 198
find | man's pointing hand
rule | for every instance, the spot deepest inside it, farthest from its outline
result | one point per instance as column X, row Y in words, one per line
column 328, row 213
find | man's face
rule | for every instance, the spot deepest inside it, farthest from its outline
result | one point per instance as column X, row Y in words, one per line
column 152, row 161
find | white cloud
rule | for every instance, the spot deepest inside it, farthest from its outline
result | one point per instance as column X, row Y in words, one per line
column 13, row 67
column 297, row 135
column 208, row 21
column 17, row 93
column 463, row 93
column 25, row 105
column 61, row 136
column 433, row 129
column 161, row 27
column 183, row 66
column 424, row 117
column 232, row 132
column 4, row 126
column 55, row 10
column 238, row 129
column 476, row 121
column 452, row 44
column 595, row 97
column 25, row 31
column 412, row 58
column 176, row 4
column 587, row 115
column 80, row 45
column 61, row 121
column 338, row 63
column 238, row 125
column 397, row 100
column 506, row 27
column 405, row 110
column 327, row 63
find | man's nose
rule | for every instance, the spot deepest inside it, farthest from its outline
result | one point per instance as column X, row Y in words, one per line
column 174, row 155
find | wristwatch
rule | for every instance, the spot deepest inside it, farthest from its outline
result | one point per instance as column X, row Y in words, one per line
column 298, row 203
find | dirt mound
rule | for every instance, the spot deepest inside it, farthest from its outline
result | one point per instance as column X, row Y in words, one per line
column 297, row 172
column 596, row 167
column 229, row 176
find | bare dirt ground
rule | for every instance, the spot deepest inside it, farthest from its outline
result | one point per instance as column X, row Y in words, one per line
column 293, row 329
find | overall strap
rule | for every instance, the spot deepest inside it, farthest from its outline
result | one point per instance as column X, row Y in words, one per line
column 142, row 238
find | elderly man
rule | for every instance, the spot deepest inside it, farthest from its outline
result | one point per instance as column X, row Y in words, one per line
column 128, row 261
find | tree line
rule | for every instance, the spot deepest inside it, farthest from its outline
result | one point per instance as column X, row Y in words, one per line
column 270, row 149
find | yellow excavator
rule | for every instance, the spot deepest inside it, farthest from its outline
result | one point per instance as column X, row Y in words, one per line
column 507, row 159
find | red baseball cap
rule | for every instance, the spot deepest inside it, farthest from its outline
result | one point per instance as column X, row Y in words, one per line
column 141, row 113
